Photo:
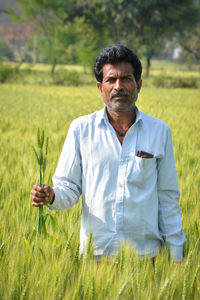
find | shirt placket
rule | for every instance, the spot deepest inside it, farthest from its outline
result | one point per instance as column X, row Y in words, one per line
column 129, row 142
column 120, row 193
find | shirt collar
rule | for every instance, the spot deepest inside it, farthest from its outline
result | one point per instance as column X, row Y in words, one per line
column 102, row 116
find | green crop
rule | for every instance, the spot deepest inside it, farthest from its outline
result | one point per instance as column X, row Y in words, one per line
column 41, row 158
column 56, row 271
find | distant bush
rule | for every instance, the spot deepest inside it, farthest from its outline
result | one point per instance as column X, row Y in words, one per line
column 6, row 73
column 5, row 51
column 176, row 82
column 69, row 78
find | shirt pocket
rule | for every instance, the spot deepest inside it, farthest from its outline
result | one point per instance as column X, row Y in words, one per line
column 141, row 171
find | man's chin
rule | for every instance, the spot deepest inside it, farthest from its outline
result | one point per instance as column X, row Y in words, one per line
column 124, row 108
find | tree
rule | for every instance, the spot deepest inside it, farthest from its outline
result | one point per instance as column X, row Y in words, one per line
column 160, row 21
column 54, row 39
column 5, row 51
column 143, row 25
column 190, row 43
column 53, row 27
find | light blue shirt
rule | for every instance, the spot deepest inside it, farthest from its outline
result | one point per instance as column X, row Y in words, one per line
column 125, row 198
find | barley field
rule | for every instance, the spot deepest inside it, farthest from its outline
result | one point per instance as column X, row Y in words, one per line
column 48, row 267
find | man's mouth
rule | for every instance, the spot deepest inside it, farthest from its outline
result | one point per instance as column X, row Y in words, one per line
column 119, row 95
column 119, row 98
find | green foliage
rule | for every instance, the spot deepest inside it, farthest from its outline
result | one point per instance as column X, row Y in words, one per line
column 5, row 51
column 55, row 270
column 68, row 78
column 6, row 72
column 55, row 42
column 90, row 41
column 176, row 82
column 145, row 26
column 87, row 26
column 40, row 74
column 190, row 43
column 55, row 33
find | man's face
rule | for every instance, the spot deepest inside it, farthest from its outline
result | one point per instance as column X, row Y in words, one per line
column 119, row 89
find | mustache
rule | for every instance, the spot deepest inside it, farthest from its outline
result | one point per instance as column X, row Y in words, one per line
column 119, row 93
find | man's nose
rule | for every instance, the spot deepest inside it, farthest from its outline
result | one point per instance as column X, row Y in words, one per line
column 118, row 85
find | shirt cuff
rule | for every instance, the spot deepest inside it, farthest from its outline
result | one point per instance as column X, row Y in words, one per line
column 176, row 252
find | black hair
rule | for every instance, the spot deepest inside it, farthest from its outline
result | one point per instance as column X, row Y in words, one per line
column 114, row 54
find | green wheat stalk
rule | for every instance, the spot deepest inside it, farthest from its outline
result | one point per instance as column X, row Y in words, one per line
column 41, row 158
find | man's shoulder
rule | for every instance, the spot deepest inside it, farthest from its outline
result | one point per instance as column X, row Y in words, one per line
column 152, row 121
column 88, row 119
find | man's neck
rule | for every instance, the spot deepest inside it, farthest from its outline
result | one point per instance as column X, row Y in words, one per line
column 121, row 120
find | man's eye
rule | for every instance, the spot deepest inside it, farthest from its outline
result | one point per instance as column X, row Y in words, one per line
column 111, row 79
column 126, row 79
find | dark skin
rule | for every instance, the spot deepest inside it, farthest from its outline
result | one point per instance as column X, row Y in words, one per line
column 120, row 108
column 42, row 195
column 119, row 91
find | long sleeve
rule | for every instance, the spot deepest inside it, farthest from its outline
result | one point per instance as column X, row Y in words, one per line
column 67, row 178
column 169, row 216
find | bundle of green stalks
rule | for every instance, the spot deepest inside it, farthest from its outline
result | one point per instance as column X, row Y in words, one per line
column 41, row 157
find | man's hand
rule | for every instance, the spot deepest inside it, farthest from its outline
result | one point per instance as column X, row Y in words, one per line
column 42, row 195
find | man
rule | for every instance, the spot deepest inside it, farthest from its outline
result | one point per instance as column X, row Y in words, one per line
column 121, row 161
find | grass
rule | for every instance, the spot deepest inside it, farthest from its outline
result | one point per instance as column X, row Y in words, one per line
column 52, row 270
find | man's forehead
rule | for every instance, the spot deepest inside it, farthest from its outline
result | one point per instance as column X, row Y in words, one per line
column 117, row 68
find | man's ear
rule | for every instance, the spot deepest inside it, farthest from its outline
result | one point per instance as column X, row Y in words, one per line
column 139, row 85
column 99, row 86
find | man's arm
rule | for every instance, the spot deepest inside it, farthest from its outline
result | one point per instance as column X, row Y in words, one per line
column 67, row 178
column 169, row 215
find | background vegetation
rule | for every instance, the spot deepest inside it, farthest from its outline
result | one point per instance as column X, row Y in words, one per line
column 72, row 32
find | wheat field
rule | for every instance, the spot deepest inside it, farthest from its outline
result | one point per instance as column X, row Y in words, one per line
column 38, row 267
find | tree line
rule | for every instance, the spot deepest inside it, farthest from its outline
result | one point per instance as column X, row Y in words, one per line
column 74, row 31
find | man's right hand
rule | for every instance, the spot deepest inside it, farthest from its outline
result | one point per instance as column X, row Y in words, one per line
column 42, row 195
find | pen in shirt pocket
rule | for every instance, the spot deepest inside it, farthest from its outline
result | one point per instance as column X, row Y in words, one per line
column 145, row 155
